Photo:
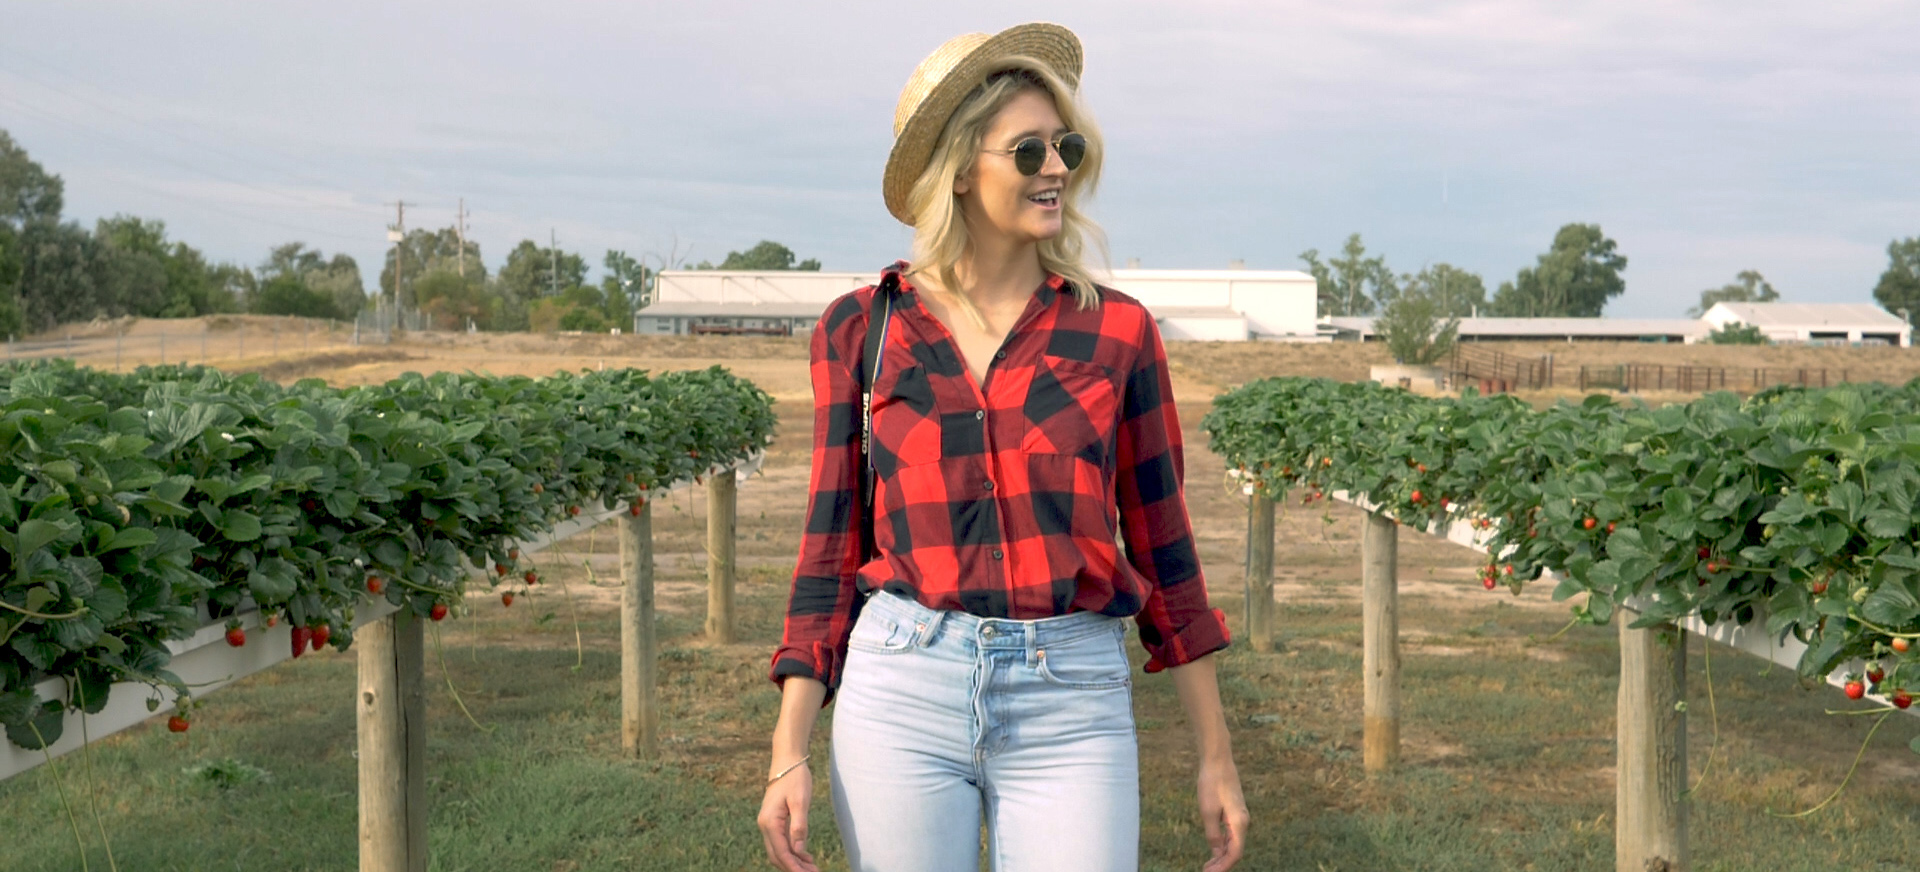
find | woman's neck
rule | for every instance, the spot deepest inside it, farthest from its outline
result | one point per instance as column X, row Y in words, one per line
column 995, row 271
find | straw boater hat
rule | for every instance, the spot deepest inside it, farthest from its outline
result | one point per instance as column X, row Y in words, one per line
column 945, row 78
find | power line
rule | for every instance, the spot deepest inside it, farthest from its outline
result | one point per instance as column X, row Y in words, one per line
column 145, row 152
column 195, row 143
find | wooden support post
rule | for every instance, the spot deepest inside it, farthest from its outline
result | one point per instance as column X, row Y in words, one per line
column 722, row 501
column 639, row 721
column 1650, row 833
column 1260, row 574
column 1380, row 623
column 392, row 714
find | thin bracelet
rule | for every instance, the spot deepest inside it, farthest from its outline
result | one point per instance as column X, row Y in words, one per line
column 783, row 772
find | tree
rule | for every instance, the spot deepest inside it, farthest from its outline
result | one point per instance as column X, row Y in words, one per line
column 1415, row 327
column 1747, row 287
column 336, row 280
column 1574, row 279
column 286, row 294
column 188, row 287
column 425, row 251
column 533, row 272
column 1736, row 333
column 1899, row 287
column 767, row 255
column 1352, row 284
column 1455, row 293
column 27, row 192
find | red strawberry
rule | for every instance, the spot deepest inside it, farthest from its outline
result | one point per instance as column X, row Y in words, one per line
column 634, row 509
column 573, row 511
column 539, row 488
column 532, row 577
column 178, row 724
column 1507, row 569
column 506, row 598
column 1875, row 673
column 301, row 637
column 438, row 612
column 1489, row 582
column 375, row 584
column 1819, row 587
column 1705, row 552
column 513, row 554
column 1713, row 566
column 1902, row 699
column 1856, row 690
column 320, row 635
column 236, row 636
column 273, row 621
column 1420, row 467
column 1589, row 523
column 500, row 568
column 1901, row 645
column 1609, row 526
column 1416, row 496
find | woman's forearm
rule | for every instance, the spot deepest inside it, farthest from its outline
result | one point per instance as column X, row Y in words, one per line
column 1199, row 691
column 800, row 702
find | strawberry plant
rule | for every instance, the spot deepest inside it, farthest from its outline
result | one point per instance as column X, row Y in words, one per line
column 1799, row 505
column 135, row 508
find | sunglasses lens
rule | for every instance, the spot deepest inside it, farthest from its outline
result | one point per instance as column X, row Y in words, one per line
column 1030, row 155
column 1073, row 150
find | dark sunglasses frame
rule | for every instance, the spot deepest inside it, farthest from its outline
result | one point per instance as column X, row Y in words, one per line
column 1030, row 154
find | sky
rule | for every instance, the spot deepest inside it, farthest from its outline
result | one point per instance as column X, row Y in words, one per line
column 1706, row 137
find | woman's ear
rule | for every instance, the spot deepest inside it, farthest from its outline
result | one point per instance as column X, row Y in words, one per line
column 961, row 186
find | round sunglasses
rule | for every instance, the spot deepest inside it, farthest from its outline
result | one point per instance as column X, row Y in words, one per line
column 1030, row 154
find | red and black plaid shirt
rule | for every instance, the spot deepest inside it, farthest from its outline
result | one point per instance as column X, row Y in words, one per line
column 1003, row 505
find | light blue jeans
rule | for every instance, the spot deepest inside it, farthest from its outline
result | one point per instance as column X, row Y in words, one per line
column 945, row 721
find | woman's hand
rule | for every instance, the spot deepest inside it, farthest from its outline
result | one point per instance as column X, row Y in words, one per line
column 783, row 820
column 1224, row 812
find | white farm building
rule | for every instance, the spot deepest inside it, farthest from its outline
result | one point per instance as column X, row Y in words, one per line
column 1235, row 304
column 1815, row 322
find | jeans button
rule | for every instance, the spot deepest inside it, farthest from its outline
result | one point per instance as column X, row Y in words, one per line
column 987, row 630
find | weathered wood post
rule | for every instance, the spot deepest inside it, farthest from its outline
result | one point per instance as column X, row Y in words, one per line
column 391, row 717
column 1260, row 573
column 1651, row 830
column 722, row 501
column 639, row 722
column 1380, row 629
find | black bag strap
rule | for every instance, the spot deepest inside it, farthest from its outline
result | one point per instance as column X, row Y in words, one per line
column 868, row 372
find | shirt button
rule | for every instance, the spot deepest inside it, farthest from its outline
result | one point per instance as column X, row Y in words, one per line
column 999, row 355
column 986, row 485
column 997, row 554
column 980, row 415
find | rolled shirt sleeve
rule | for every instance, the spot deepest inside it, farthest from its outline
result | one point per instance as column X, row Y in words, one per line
column 1177, row 625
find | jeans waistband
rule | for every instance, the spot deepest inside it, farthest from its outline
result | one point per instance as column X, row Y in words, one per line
column 990, row 632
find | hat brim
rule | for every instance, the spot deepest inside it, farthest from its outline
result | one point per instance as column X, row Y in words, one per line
column 1050, row 44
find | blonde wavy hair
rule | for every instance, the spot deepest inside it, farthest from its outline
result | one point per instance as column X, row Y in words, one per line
column 940, row 237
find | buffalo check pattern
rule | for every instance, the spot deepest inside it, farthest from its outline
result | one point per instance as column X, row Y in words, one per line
column 1007, row 500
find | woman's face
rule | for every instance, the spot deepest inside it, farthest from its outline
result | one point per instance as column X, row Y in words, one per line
column 995, row 198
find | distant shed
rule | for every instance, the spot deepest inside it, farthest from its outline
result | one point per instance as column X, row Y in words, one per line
column 1850, row 323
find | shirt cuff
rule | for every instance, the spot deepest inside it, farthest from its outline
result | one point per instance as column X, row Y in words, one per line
column 818, row 661
column 1200, row 637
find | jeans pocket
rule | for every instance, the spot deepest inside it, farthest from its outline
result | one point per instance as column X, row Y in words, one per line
column 878, row 634
column 1093, row 662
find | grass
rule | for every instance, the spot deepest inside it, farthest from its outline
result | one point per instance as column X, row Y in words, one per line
column 1507, row 747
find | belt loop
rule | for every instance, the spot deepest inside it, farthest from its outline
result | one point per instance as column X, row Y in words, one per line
column 930, row 625
column 1032, row 642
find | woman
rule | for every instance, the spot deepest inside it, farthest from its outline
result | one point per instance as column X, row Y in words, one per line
column 1021, row 421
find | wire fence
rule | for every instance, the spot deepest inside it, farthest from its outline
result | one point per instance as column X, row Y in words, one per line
column 214, row 341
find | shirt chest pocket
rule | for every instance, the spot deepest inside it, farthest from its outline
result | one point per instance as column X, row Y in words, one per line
column 906, row 430
column 1072, row 408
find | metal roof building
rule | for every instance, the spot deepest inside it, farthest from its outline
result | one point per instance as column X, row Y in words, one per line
column 1549, row 329
column 1233, row 305
column 1816, row 322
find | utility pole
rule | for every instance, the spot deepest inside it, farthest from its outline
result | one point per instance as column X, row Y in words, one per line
column 553, row 246
column 460, row 228
column 397, row 234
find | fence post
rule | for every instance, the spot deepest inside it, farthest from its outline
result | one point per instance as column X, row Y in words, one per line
column 1651, row 816
column 163, row 349
column 722, row 501
column 203, row 345
column 639, row 722
column 1380, row 629
column 1260, row 574
column 392, row 713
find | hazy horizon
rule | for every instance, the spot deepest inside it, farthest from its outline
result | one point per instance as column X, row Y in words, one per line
column 1705, row 139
